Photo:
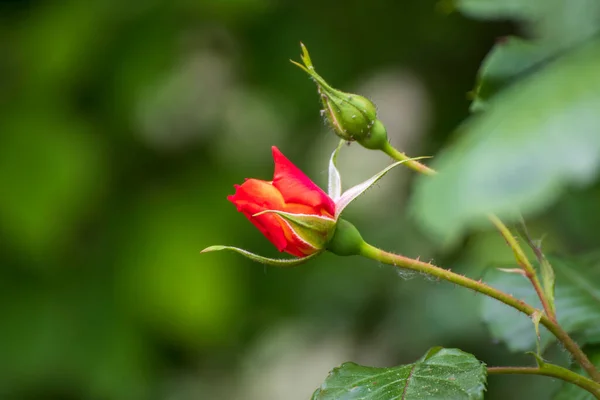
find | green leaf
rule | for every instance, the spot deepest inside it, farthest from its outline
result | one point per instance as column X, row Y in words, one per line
column 555, row 25
column 569, row 391
column 276, row 262
column 511, row 58
column 561, row 23
column 441, row 374
column 535, row 138
column 505, row 9
column 496, row 9
column 577, row 304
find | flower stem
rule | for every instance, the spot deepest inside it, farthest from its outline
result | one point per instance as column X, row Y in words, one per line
column 372, row 252
column 400, row 261
column 553, row 371
column 399, row 156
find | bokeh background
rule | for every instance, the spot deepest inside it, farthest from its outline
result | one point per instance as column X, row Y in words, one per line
column 123, row 127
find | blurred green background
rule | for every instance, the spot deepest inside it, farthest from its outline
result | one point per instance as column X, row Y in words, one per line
column 123, row 127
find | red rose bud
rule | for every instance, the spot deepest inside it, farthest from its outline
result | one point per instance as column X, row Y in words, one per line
column 291, row 211
column 296, row 215
column 352, row 117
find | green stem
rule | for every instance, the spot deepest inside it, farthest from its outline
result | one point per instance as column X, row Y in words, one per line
column 520, row 256
column 399, row 156
column 553, row 371
column 400, row 261
column 575, row 350
column 549, row 319
column 372, row 252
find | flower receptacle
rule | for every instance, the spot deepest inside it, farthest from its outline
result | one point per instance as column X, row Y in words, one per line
column 346, row 240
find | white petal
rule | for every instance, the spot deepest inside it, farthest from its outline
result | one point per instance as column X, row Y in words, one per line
column 335, row 181
column 355, row 191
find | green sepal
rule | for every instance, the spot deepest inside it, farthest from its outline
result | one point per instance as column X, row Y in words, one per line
column 334, row 187
column 312, row 229
column 310, row 69
column 351, row 194
column 275, row 262
column 315, row 222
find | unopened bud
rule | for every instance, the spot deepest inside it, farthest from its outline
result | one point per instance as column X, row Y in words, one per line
column 351, row 116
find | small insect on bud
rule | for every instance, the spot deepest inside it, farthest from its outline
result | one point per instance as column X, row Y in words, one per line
column 351, row 116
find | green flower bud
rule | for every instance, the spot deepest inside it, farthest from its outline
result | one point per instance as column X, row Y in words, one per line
column 352, row 117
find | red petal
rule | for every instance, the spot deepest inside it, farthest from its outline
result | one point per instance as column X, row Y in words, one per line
column 295, row 245
column 254, row 196
column 296, row 187
column 291, row 191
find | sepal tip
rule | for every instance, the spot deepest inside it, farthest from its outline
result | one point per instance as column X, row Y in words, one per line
column 276, row 262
